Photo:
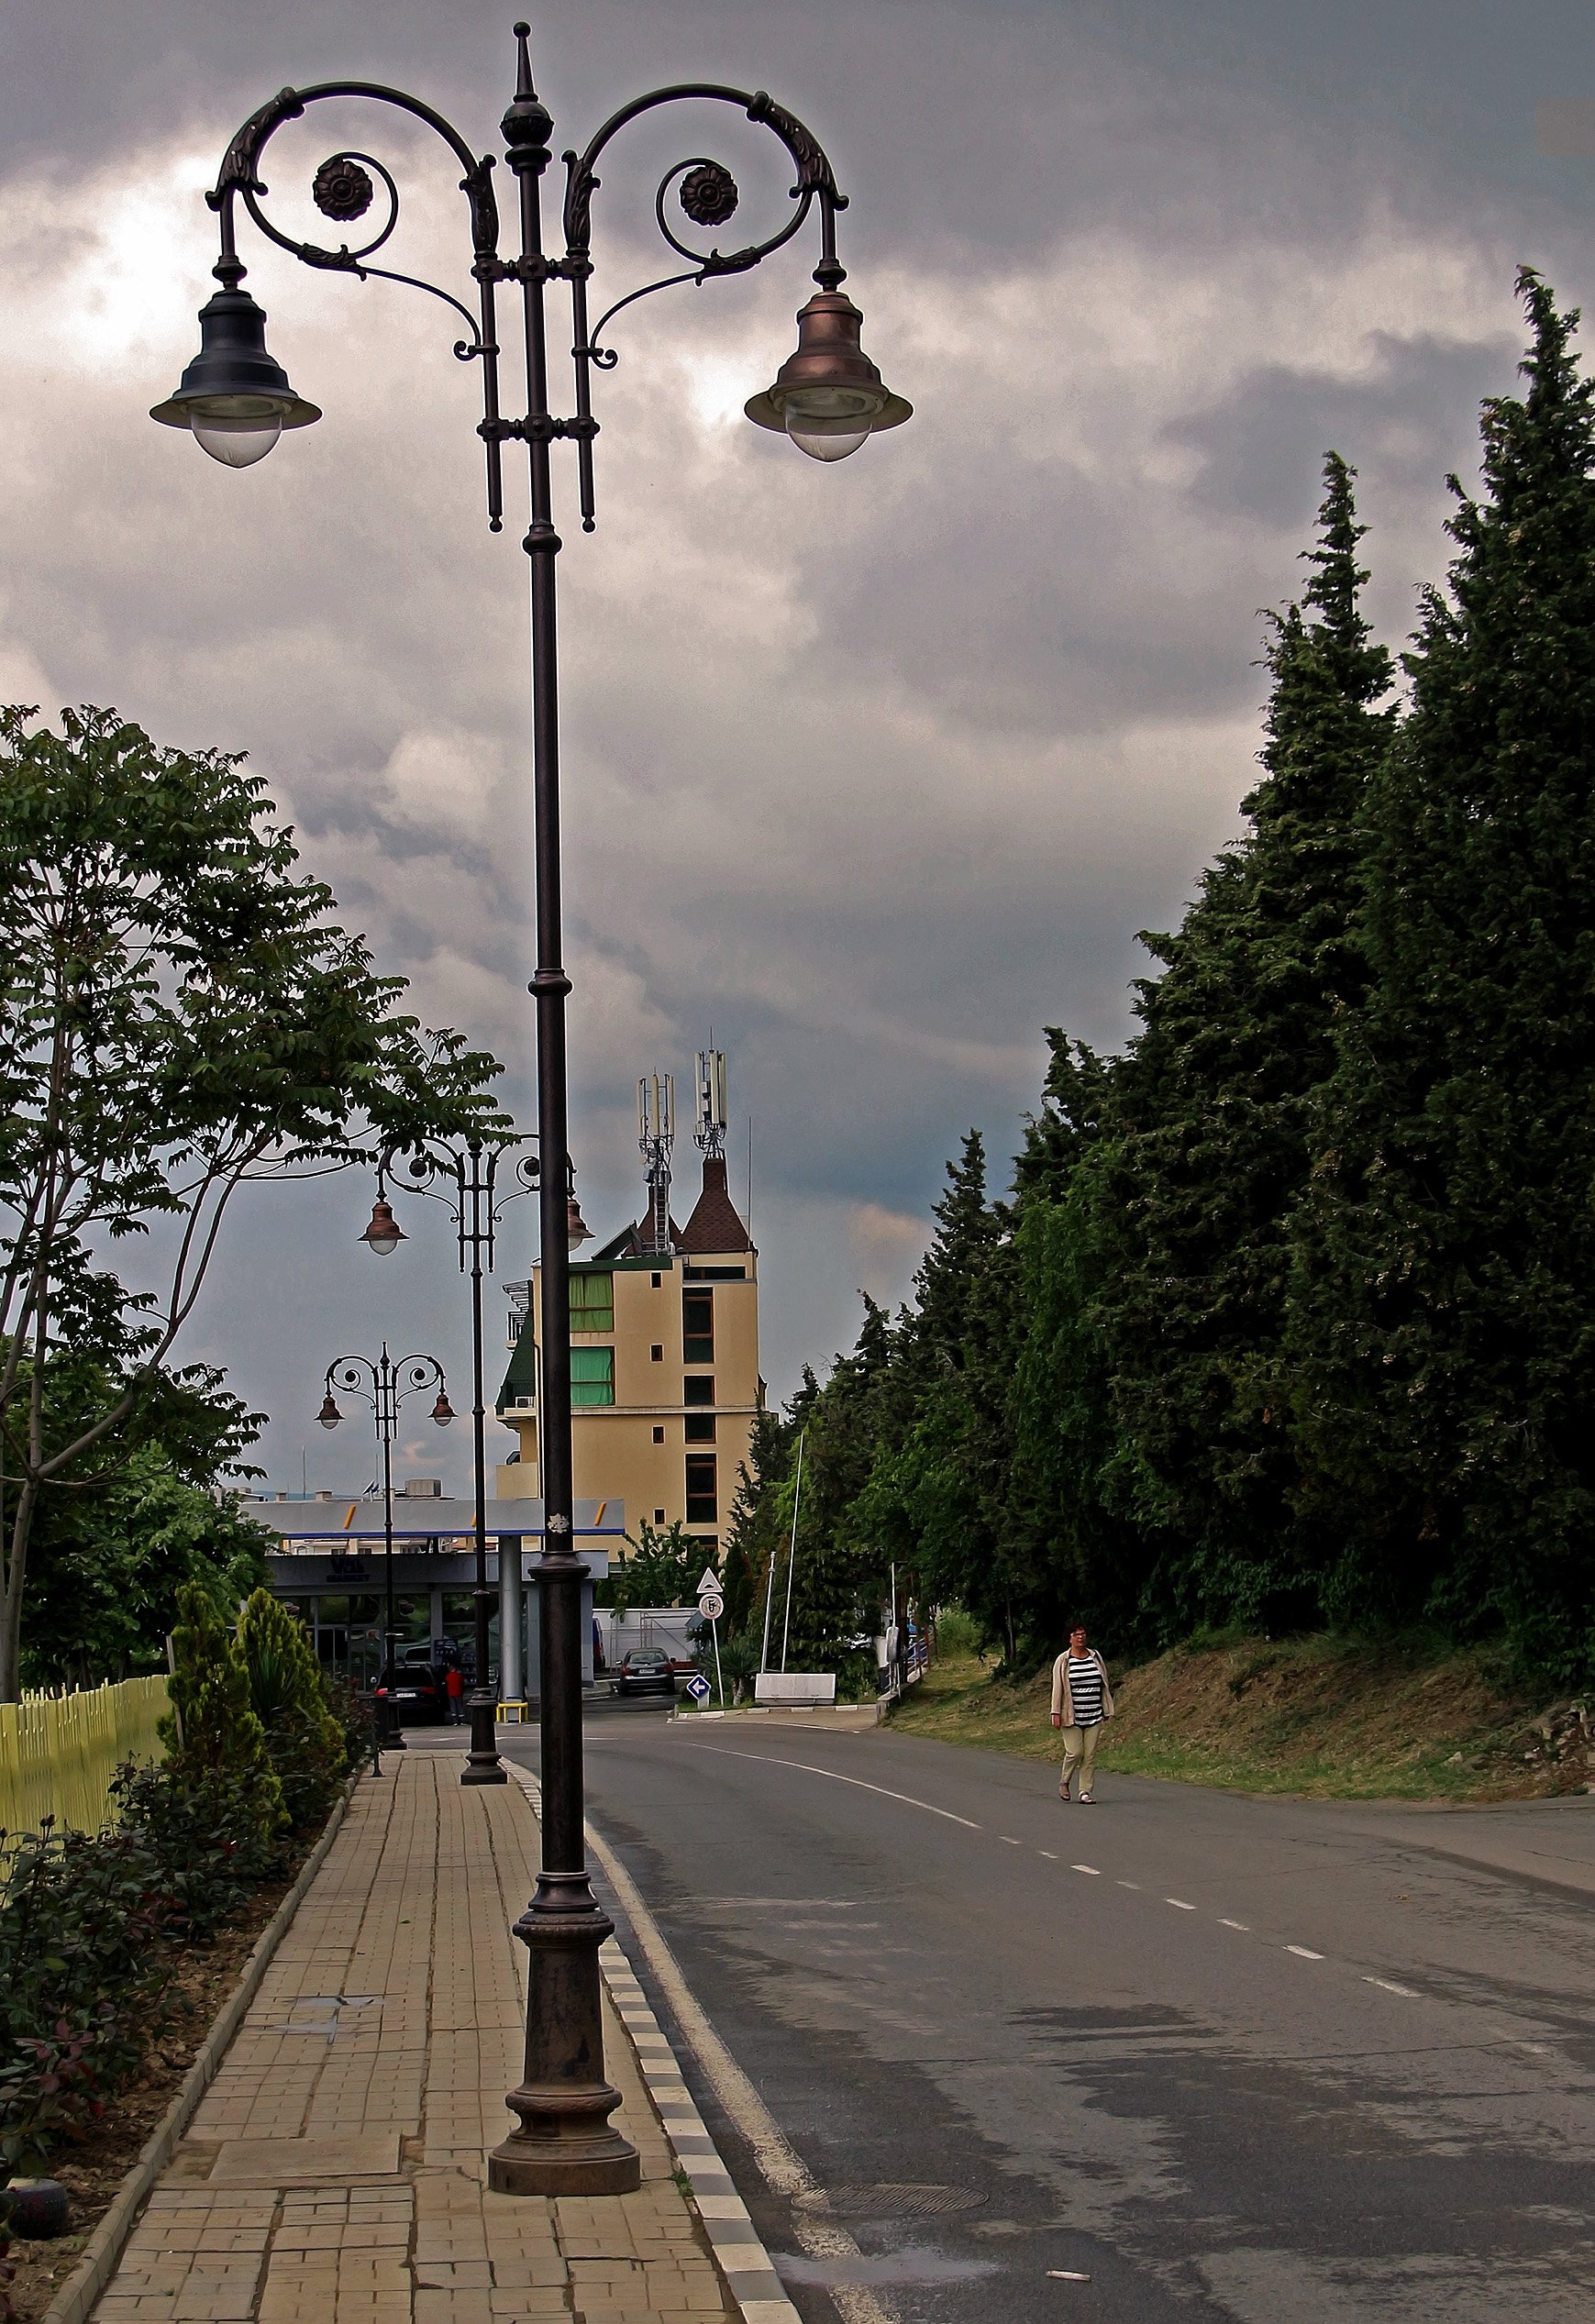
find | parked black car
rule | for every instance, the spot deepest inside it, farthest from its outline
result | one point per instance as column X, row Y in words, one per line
column 645, row 1670
column 415, row 1693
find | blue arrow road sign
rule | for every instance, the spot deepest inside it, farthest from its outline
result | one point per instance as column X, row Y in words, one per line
column 699, row 1687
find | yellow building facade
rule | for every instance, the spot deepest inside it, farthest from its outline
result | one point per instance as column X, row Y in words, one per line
column 664, row 1359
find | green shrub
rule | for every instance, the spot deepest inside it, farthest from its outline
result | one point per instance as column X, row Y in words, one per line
column 303, row 1739
column 957, row 1632
column 215, row 1732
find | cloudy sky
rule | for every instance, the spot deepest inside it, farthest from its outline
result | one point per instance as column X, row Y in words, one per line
column 875, row 768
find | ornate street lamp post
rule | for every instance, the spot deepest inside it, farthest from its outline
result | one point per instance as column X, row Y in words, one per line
column 378, row 1381
column 829, row 399
column 473, row 1202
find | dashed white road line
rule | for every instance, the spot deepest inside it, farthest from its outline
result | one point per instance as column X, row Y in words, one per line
column 1179, row 1903
column 1385, row 1986
column 1127, row 1884
column 1244, row 1926
column 1047, row 1853
column 1007, row 1842
column 1302, row 1954
column 1087, row 1867
column 906, row 1799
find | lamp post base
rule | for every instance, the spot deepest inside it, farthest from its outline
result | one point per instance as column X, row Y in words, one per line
column 482, row 1764
column 566, row 2145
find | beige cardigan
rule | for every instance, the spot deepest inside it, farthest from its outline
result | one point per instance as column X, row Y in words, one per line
column 1061, row 1699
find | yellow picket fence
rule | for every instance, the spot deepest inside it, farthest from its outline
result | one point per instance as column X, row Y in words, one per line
column 58, row 1753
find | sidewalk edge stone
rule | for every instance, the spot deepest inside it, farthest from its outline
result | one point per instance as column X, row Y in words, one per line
column 105, row 2247
column 745, row 2266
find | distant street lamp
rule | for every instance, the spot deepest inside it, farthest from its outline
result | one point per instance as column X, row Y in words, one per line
column 475, row 1205
column 828, row 398
column 384, row 1386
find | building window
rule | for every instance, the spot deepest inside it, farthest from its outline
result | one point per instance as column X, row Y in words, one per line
column 702, row 1500
column 658, row 1436
column 700, row 1428
column 592, row 1300
column 655, row 1353
column 658, row 1280
column 659, row 1517
column 698, row 1391
column 697, row 1327
column 592, row 1376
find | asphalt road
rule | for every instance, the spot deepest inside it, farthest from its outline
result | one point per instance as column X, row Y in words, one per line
column 1282, row 2061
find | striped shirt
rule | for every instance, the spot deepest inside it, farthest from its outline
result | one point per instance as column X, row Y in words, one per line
column 1085, row 1689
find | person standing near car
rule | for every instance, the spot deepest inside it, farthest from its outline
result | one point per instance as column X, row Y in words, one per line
column 454, row 1681
column 1081, row 1702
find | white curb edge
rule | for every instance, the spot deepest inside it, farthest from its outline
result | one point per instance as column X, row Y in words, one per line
column 105, row 2247
column 744, row 2265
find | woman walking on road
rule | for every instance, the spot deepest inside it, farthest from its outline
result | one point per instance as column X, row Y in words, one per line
column 1082, row 1700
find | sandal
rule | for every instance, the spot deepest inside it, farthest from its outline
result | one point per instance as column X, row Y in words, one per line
column 1086, row 1801
column 1063, row 1791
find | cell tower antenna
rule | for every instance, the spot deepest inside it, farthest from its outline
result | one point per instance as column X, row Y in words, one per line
column 710, row 1132
column 656, row 1138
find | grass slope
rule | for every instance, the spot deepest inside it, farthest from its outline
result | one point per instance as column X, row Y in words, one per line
column 1328, row 1718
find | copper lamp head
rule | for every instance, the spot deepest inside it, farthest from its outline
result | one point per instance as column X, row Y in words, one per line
column 828, row 396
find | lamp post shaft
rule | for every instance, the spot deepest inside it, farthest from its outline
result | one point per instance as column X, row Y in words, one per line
column 395, row 1740
column 565, row 2143
column 482, row 1764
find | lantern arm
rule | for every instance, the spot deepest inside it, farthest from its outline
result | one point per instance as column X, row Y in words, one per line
column 709, row 196
column 343, row 189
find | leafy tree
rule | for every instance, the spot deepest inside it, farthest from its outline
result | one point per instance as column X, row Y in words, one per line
column 1442, row 1330
column 662, row 1569
column 105, row 1560
column 178, row 1014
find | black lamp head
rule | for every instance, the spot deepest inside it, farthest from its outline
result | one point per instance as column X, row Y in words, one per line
column 234, row 395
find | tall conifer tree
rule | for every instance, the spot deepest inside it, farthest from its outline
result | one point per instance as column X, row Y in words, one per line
column 1211, row 1151
column 1443, row 1322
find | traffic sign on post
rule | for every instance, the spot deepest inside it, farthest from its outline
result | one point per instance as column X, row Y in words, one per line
column 708, row 1580
column 699, row 1687
column 711, row 1605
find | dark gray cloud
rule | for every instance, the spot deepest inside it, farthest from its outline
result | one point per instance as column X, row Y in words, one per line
column 875, row 769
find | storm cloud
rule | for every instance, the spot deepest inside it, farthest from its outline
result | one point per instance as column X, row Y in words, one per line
column 875, row 769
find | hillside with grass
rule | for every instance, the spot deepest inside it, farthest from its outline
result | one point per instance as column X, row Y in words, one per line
column 1321, row 1716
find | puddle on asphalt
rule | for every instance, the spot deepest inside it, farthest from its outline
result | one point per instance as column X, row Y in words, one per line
column 916, row 2263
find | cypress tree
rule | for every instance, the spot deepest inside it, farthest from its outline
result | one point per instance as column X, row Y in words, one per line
column 1443, row 1323
column 1209, row 1147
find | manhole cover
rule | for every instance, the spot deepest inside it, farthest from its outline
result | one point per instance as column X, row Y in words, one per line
column 891, row 2202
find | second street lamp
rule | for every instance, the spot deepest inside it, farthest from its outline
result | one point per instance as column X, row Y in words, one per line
column 378, row 1381
column 475, row 1205
column 828, row 399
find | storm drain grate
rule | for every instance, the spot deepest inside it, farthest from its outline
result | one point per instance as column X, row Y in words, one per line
column 891, row 2202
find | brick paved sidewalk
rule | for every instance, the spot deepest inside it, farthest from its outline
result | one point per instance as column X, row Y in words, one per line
column 335, row 2171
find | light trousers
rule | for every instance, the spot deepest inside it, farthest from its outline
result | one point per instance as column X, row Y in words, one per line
column 1079, row 1752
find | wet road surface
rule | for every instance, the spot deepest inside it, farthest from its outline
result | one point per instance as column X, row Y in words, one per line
column 1283, row 2061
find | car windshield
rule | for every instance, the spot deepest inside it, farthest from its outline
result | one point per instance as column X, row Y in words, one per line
column 640, row 1660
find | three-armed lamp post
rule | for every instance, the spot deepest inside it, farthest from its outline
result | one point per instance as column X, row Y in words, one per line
column 829, row 398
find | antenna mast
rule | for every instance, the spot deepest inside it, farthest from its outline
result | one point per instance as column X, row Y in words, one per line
column 656, row 1135
column 710, row 1132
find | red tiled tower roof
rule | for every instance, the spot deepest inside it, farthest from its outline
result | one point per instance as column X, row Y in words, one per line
column 714, row 1225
